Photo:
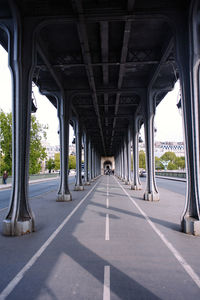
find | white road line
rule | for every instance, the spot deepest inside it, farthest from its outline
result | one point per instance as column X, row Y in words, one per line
column 176, row 254
column 107, row 203
column 106, row 286
column 107, row 235
column 107, row 195
column 13, row 283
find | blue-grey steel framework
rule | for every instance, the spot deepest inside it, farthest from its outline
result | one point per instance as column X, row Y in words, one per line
column 134, row 81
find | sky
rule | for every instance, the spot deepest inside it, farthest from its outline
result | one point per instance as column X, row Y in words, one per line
column 168, row 119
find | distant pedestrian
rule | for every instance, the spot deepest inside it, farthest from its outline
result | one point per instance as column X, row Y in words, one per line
column 5, row 176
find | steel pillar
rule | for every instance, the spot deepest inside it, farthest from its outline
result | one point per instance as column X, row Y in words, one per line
column 63, row 105
column 188, row 59
column 136, row 184
column 20, row 219
column 123, row 162
column 78, row 132
column 92, row 160
column 89, row 161
column 126, row 158
column 86, row 159
column 129, row 156
column 151, row 193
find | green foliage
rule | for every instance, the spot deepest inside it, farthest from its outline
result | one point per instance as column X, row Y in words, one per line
column 142, row 158
column 158, row 164
column 50, row 164
column 57, row 161
column 180, row 162
column 72, row 162
column 175, row 163
column 171, row 166
column 37, row 151
column 171, row 156
column 6, row 142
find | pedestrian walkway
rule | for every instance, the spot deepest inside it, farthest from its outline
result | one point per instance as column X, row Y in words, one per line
column 107, row 243
column 32, row 181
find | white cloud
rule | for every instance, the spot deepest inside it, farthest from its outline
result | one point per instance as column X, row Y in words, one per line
column 168, row 119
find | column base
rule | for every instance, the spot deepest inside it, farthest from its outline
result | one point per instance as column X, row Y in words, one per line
column 191, row 226
column 136, row 187
column 151, row 196
column 87, row 183
column 127, row 182
column 20, row 227
column 64, row 197
column 78, row 188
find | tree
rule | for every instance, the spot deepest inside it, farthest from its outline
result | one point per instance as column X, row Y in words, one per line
column 72, row 162
column 175, row 162
column 57, row 161
column 180, row 162
column 142, row 160
column 171, row 156
column 131, row 161
column 158, row 164
column 37, row 151
column 50, row 164
column 171, row 166
column 6, row 142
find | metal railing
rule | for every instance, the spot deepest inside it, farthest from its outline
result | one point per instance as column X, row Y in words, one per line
column 177, row 174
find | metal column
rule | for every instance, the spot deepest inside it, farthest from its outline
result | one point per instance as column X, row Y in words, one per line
column 63, row 104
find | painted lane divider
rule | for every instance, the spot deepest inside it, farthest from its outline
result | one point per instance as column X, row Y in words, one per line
column 106, row 286
column 173, row 250
column 107, row 195
column 107, row 203
column 107, row 235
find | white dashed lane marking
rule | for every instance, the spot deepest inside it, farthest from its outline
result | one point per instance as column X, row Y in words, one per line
column 106, row 287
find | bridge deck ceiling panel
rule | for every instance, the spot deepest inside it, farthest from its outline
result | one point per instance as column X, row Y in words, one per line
column 113, row 75
column 157, row 4
column 63, row 43
column 148, row 36
column 45, row 8
column 116, row 33
column 98, row 76
column 98, row 4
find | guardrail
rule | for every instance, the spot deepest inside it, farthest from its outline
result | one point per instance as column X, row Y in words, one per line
column 179, row 174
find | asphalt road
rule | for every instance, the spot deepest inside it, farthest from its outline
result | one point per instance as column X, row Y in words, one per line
column 178, row 187
column 35, row 190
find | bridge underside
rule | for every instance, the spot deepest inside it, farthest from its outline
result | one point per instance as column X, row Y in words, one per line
column 105, row 66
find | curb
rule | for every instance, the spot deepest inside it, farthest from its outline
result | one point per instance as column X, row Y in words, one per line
column 172, row 178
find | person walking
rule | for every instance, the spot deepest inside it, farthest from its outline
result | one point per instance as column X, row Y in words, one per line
column 5, row 176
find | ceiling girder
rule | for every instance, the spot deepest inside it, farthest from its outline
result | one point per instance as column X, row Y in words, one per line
column 77, row 5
